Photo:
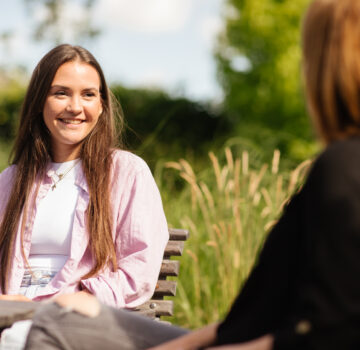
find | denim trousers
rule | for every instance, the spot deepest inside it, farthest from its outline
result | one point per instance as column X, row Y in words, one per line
column 57, row 328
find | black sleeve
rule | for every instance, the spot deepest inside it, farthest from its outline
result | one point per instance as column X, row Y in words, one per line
column 305, row 288
column 329, row 293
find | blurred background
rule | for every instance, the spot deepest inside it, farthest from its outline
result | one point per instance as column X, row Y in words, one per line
column 212, row 95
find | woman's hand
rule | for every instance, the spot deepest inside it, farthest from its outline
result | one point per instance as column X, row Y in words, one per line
column 14, row 297
column 191, row 341
column 263, row 343
column 82, row 302
column 207, row 336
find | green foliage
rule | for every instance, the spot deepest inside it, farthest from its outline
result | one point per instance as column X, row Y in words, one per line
column 12, row 93
column 259, row 68
column 161, row 126
column 228, row 208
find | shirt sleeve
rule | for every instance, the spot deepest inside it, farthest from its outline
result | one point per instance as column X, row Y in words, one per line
column 6, row 183
column 140, row 239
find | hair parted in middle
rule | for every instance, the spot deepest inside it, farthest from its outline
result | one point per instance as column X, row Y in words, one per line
column 32, row 152
column 331, row 66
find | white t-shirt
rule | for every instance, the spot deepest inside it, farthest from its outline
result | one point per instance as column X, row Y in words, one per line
column 51, row 235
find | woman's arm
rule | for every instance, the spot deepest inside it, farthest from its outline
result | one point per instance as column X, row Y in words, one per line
column 263, row 343
column 197, row 339
column 14, row 297
column 140, row 233
column 206, row 336
column 81, row 302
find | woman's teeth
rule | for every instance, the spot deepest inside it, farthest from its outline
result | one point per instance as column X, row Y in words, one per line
column 71, row 121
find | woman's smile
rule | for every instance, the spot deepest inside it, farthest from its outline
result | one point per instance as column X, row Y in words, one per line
column 71, row 121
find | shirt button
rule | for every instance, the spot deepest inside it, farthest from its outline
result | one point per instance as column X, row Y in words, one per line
column 303, row 327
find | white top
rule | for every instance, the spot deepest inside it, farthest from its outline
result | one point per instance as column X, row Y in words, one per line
column 51, row 235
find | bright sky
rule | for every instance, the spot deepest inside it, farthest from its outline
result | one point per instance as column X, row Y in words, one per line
column 164, row 43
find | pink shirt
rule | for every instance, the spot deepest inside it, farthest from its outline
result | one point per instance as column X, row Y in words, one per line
column 139, row 231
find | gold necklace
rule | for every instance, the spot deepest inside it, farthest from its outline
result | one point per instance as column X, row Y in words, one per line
column 61, row 176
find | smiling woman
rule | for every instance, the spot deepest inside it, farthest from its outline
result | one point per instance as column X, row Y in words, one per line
column 77, row 215
column 72, row 108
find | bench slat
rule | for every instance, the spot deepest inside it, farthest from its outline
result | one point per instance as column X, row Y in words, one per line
column 165, row 288
column 178, row 234
column 169, row 268
column 161, row 307
column 174, row 248
column 145, row 312
column 157, row 306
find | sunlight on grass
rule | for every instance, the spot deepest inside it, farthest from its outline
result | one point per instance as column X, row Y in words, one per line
column 228, row 209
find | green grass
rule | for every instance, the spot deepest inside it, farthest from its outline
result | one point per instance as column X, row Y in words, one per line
column 228, row 208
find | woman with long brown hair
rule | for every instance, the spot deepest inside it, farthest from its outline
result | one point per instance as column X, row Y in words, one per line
column 77, row 214
column 304, row 291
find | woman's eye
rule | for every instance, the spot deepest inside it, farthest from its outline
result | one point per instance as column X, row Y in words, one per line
column 60, row 93
column 89, row 94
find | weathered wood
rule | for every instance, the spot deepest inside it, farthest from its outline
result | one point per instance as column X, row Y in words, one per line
column 169, row 268
column 174, row 248
column 150, row 313
column 165, row 288
column 177, row 234
column 161, row 307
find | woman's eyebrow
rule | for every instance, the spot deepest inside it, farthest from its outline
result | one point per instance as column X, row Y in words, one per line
column 59, row 87
column 68, row 88
column 91, row 89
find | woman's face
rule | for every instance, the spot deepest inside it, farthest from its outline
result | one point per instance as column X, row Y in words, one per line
column 72, row 108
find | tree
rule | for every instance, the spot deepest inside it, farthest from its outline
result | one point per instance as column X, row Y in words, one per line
column 258, row 58
column 54, row 25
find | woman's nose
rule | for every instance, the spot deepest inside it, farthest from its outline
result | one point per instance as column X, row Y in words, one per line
column 74, row 105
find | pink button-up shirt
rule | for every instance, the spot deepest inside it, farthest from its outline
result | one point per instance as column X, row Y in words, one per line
column 139, row 231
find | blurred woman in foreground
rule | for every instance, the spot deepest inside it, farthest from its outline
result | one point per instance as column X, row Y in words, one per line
column 304, row 292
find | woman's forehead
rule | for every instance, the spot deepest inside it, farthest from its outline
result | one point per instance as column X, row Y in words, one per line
column 76, row 74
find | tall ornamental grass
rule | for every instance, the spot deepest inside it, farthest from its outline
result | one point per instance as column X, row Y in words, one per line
column 228, row 209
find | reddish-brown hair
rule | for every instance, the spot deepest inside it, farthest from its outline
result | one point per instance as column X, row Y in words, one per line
column 331, row 66
column 32, row 152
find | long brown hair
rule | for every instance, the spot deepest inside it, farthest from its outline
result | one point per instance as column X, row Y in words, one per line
column 331, row 66
column 32, row 152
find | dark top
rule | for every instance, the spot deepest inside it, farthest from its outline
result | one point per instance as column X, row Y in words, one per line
column 305, row 286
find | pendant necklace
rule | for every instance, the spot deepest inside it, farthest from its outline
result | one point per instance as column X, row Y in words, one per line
column 62, row 175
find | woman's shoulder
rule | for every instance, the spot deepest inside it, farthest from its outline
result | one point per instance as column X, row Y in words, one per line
column 338, row 163
column 342, row 154
column 7, row 175
column 129, row 162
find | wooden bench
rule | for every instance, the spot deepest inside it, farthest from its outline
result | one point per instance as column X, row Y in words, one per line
column 12, row 311
column 157, row 306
